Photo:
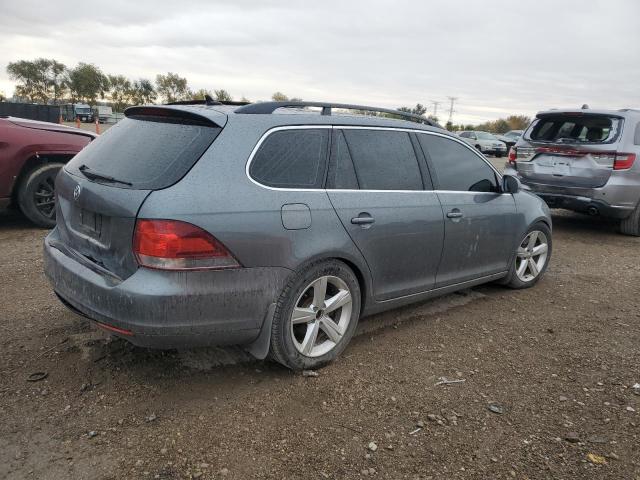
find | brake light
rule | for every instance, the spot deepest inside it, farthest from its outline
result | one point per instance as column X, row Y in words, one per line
column 624, row 161
column 512, row 156
column 175, row 245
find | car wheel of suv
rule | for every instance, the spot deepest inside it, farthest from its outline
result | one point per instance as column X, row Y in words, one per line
column 631, row 224
column 36, row 195
column 531, row 258
column 316, row 316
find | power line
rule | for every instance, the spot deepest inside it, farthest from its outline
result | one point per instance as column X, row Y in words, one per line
column 435, row 104
column 451, row 110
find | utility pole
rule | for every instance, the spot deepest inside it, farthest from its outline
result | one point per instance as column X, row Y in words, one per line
column 435, row 104
column 451, row 110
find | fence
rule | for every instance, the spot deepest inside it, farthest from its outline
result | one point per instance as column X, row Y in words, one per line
column 45, row 113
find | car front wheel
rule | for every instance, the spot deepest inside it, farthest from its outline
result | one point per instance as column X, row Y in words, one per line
column 531, row 257
column 316, row 316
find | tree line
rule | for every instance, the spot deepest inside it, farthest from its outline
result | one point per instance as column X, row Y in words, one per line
column 45, row 80
column 48, row 81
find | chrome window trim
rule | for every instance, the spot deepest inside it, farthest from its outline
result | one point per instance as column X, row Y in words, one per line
column 266, row 134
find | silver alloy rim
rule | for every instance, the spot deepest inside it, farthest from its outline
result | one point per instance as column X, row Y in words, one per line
column 531, row 256
column 321, row 316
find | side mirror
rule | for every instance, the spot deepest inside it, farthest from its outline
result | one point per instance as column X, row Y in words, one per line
column 510, row 184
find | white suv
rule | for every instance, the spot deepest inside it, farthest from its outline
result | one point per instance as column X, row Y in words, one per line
column 486, row 142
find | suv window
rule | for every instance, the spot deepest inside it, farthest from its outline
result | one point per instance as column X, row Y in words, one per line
column 292, row 159
column 457, row 167
column 383, row 159
column 147, row 152
column 574, row 128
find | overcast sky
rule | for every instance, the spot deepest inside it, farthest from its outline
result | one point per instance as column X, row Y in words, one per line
column 497, row 56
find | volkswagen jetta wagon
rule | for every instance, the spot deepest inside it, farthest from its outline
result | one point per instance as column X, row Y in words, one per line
column 278, row 227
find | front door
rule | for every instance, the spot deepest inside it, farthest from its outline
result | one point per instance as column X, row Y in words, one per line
column 479, row 220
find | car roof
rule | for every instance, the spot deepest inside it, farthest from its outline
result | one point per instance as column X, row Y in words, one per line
column 289, row 116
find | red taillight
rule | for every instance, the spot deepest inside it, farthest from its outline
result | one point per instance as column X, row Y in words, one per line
column 624, row 161
column 512, row 155
column 175, row 245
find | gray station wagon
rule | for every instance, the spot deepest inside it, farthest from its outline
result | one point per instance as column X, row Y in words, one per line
column 278, row 225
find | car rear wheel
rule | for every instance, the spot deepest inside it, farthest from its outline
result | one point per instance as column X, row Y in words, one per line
column 36, row 195
column 316, row 316
column 531, row 258
column 631, row 224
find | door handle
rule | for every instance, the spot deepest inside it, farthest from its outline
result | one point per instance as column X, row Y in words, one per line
column 455, row 213
column 363, row 219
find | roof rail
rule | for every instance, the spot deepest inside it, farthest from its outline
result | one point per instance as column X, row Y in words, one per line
column 207, row 100
column 270, row 107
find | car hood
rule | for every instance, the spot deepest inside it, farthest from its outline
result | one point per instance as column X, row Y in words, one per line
column 52, row 127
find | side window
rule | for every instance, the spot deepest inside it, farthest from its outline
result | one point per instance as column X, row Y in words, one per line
column 465, row 134
column 383, row 159
column 292, row 159
column 457, row 167
column 341, row 173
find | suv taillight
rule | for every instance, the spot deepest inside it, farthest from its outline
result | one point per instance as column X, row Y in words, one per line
column 624, row 161
column 175, row 245
column 512, row 156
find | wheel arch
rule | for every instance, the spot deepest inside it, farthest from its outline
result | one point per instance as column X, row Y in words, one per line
column 33, row 162
column 359, row 267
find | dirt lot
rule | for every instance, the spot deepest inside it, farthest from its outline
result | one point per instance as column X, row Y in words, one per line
column 558, row 360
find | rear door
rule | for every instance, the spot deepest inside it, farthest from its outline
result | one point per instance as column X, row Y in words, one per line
column 479, row 220
column 100, row 191
column 569, row 150
column 384, row 198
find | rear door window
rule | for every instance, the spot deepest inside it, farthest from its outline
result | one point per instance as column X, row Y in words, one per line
column 292, row 159
column 575, row 128
column 146, row 152
column 383, row 159
column 457, row 167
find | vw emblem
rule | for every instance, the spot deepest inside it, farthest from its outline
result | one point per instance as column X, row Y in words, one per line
column 76, row 192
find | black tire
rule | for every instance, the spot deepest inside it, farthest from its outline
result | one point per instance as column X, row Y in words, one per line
column 36, row 195
column 631, row 224
column 283, row 349
column 499, row 155
column 512, row 280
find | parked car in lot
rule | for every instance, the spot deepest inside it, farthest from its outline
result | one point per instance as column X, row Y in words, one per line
column 485, row 142
column 584, row 160
column 510, row 138
column 189, row 225
column 31, row 154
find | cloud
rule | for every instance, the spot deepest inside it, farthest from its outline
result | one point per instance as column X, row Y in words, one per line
column 497, row 56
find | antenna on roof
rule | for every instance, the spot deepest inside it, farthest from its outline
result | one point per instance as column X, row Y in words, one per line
column 585, row 107
column 210, row 101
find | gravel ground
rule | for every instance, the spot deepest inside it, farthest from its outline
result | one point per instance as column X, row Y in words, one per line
column 547, row 393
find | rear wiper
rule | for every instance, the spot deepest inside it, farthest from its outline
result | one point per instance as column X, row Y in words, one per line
column 91, row 175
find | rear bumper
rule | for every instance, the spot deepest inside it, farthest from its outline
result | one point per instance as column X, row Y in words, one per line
column 162, row 309
column 616, row 199
column 585, row 205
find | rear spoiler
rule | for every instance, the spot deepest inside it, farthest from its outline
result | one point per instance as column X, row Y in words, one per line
column 169, row 114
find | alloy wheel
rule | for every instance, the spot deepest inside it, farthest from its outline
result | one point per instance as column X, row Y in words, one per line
column 44, row 197
column 531, row 256
column 321, row 316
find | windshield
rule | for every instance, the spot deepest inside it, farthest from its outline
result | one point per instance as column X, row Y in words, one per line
column 513, row 133
column 83, row 109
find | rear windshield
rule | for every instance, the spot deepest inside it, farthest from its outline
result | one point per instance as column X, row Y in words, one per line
column 575, row 128
column 148, row 153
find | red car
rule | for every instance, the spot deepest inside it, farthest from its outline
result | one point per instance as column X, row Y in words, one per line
column 31, row 154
